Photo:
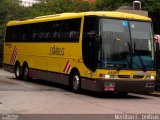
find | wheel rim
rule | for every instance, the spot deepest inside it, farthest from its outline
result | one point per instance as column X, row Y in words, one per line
column 76, row 83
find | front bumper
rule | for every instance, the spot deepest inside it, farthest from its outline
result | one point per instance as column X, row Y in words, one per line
column 136, row 86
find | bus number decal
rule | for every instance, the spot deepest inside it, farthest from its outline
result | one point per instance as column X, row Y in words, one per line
column 56, row 51
column 113, row 72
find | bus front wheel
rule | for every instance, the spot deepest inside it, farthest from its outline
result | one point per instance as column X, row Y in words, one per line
column 76, row 83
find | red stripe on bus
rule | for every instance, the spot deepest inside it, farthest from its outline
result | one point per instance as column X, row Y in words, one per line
column 14, row 56
column 66, row 67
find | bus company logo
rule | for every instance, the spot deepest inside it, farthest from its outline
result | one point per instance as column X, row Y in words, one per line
column 67, row 67
column 56, row 51
column 14, row 56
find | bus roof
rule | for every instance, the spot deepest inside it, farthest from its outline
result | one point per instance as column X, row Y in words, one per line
column 110, row 14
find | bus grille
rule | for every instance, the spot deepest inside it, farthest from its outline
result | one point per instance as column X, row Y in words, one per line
column 124, row 76
column 131, row 76
column 138, row 76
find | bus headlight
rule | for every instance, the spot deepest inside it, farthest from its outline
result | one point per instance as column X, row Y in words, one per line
column 105, row 76
column 150, row 77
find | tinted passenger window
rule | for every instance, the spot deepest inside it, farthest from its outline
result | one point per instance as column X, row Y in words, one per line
column 53, row 31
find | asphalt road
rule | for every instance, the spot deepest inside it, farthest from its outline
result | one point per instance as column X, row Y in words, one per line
column 41, row 97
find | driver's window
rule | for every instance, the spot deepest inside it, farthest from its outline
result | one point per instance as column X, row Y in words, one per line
column 89, row 33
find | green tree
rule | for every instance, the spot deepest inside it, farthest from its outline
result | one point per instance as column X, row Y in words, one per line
column 9, row 10
column 46, row 7
column 153, row 7
column 84, row 6
column 110, row 5
column 40, row 9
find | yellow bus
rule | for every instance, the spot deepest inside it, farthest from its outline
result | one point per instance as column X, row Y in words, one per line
column 100, row 51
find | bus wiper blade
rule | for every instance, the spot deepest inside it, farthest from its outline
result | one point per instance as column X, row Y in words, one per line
column 121, row 66
column 117, row 65
column 131, row 54
column 140, row 59
column 142, row 63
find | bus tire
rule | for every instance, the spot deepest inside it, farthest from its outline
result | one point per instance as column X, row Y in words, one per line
column 76, row 83
column 17, row 71
column 25, row 72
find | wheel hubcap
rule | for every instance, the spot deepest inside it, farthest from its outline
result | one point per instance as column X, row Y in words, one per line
column 76, row 82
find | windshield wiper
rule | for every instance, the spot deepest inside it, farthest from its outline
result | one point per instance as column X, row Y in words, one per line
column 143, row 65
column 140, row 59
column 121, row 66
column 118, row 66
column 131, row 55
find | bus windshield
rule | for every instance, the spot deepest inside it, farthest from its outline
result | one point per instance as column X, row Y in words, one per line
column 125, row 45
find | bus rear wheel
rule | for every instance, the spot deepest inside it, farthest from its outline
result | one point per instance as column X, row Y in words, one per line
column 76, row 83
column 17, row 71
column 25, row 72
